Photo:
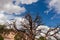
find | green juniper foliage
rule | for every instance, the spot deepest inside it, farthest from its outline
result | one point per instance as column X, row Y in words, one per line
column 18, row 37
column 1, row 38
column 42, row 38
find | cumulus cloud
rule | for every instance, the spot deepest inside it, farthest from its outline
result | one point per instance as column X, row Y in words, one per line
column 51, row 38
column 2, row 19
column 8, row 7
column 53, row 4
column 26, row 1
column 44, row 29
column 5, row 18
column 58, row 35
column 20, row 21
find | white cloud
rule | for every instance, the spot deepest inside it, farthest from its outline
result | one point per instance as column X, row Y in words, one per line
column 20, row 21
column 43, row 28
column 42, row 34
column 51, row 38
column 52, row 32
column 8, row 7
column 26, row 1
column 2, row 19
column 53, row 4
column 44, row 31
column 58, row 35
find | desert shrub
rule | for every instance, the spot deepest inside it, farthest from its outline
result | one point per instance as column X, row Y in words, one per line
column 42, row 38
column 1, row 38
column 18, row 37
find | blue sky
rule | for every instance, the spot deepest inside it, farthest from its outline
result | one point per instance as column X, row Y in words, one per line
column 40, row 7
column 49, row 10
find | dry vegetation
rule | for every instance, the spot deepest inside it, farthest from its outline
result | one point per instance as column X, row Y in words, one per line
column 29, row 31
